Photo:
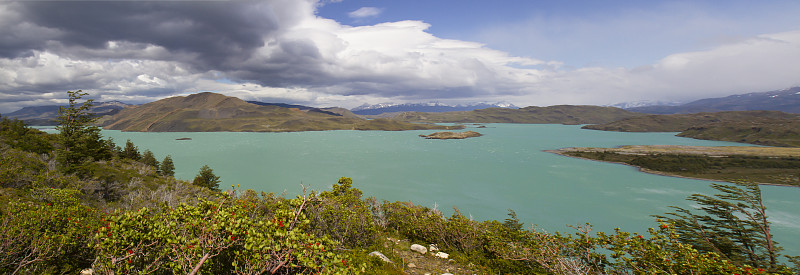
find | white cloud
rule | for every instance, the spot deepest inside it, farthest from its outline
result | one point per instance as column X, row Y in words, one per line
column 316, row 61
column 365, row 12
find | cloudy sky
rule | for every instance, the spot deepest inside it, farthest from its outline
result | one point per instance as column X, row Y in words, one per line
column 350, row 52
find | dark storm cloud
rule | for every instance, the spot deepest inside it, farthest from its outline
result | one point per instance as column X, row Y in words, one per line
column 216, row 34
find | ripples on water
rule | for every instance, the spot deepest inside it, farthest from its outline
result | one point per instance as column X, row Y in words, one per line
column 484, row 176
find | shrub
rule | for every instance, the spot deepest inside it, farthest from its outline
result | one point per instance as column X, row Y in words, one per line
column 48, row 235
column 216, row 237
column 342, row 215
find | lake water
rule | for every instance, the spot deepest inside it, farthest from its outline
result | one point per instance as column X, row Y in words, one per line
column 504, row 169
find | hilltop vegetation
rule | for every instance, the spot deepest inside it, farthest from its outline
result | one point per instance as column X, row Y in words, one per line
column 767, row 165
column 562, row 114
column 124, row 213
column 210, row 112
column 771, row 128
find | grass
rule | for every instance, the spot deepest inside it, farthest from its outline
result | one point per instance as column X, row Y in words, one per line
column 764, row 165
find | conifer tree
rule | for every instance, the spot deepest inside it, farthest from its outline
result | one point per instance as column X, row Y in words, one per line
column 734, row 225
column 131, row 151
column 80, row 141
column 206, row 178
column 149, row 159
column 167, row 168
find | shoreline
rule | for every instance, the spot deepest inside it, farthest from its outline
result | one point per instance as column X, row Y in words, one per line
column 561, row 152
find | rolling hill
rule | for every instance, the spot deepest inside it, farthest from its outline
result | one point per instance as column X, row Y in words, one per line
column 772, row 128
column 46, row 115
column 562, row 114
column 211, row 112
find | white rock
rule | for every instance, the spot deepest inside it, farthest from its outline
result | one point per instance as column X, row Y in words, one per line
column 411, row 265
column 87, row 271
column 381, row 256
column 433, row 247
column 442, row 255
column 419, row 248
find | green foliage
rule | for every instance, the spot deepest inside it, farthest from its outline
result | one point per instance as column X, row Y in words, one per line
column 616, row 253
column 782, row 170
column 216, row 238
column 131, row 151
column 19, row 136
column 80, row 141
column 206, row 178
column 20, row 169
column 672, row 163
column 422, row 223
column 149, row 159
column 512, row 222
column 734, row 224
column 342, row 215
column 167, row 167
column 47, row 236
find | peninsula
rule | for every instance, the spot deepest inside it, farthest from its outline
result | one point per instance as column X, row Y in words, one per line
column 764, row 165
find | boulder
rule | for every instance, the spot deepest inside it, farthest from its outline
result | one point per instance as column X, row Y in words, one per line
column 418, row 248
column 442, row 255
column 433, row 248
column 381, row 256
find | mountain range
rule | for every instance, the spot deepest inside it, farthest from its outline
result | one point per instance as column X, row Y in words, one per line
column 430, row 107
column 786, row 100
column 560, row 114
column 211, row 112
column 46, row 115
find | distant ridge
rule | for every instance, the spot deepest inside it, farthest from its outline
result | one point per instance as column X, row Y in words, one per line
column 211, row 112
column 284, row 105
column 46, row 115
column 773, row 128
column 431, row 107
column 561, row 114
column 786, row 100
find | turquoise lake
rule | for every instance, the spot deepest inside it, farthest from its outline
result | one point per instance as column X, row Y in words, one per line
column 504, row 169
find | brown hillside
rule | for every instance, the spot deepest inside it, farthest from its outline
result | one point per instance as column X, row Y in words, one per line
column 211, row 112
column 562, row 114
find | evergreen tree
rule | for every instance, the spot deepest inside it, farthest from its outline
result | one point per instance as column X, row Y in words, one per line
column 735, row 225
column 167, row 168
column 80, row 141
column 206, row 178
column 149, row 159
column 131, row 151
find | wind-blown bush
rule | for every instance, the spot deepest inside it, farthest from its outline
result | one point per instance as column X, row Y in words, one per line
column 216, row 238
column 342, row 215
column 48, row 236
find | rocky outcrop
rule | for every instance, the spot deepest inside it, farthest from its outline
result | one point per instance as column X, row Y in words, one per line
column 452, row 135
column 381, row 256
column 419, row 249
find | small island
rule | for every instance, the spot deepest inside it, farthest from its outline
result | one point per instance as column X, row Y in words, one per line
column 452, row 135
column 184, row 138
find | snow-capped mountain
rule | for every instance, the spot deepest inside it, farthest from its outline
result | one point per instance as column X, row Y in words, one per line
column 644, row 103
column 785, row 100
